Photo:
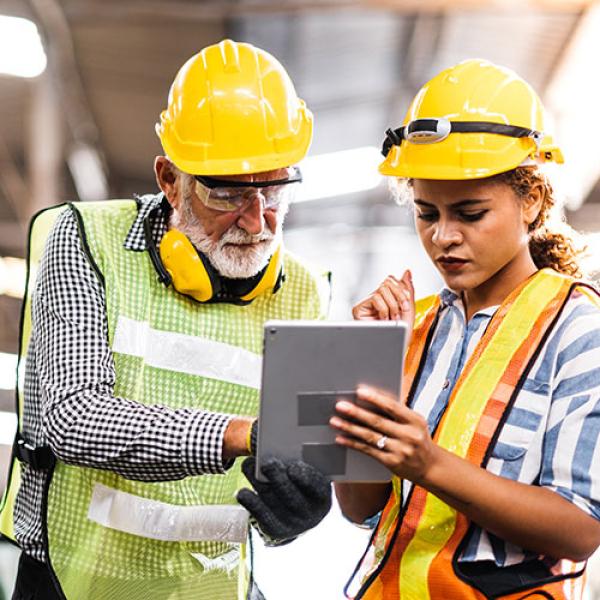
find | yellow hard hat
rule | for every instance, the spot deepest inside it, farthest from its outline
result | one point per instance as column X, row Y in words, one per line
column 233, row 109
column 472, row 120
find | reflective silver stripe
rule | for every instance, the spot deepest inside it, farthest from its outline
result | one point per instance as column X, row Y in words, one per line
column 167, row 522
column 187, row 354
column 225, row 562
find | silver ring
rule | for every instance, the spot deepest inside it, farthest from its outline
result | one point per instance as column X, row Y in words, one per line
column 381, row 442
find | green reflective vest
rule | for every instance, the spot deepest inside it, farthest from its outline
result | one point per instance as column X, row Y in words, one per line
column 110, row 537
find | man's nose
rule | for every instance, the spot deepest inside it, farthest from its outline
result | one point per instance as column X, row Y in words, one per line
column 251, row 217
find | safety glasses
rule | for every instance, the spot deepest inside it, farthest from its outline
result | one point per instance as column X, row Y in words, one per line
column 230, row 196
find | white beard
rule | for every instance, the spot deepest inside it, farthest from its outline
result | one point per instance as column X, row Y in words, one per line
column 226, row 255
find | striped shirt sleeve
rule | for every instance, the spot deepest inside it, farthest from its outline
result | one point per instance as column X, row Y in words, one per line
column 571, row 453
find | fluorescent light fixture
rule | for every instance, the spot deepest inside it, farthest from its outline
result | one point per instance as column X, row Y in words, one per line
column 21, row 50
column 339, row 173
column 88, row 173
column 573, row 97
column 12, row 276
column 8, row 371
column 8, row 427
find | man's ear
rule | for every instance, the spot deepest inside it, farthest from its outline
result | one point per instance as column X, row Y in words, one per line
column 166, row 178
column 532, row 203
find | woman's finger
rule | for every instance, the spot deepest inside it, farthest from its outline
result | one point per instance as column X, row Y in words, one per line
column 375, row 420
column 380, row 455
column 381, row 307
column 387, row 403
column 390, row 455
column 402, row 297
column 409, row 281
column 364, row 310
column 396, row 286
column 390, row 299
column 355, row 430
column 370, row 434
column 408, row 291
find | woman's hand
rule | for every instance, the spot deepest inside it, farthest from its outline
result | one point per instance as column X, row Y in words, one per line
column 387, row 430
column 393, row 300
column 528, row 516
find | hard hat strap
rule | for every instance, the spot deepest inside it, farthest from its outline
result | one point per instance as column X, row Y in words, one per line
column 429, row 131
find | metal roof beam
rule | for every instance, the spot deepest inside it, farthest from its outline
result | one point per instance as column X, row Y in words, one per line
column 210, row 10
column 13, row 184
column 78, row 113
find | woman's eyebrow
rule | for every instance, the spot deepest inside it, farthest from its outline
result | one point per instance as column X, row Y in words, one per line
column 423, row 203
column 459, row 204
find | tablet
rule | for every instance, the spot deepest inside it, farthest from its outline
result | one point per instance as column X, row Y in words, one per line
column 307, row 367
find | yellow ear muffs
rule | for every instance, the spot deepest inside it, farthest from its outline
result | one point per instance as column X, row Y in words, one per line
column 193, row 276
column 271, row 279
column 188, row 273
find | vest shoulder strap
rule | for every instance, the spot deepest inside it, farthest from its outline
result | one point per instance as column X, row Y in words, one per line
column 40, row 227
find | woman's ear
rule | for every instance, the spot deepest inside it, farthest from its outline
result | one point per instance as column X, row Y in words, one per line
column 532, row 203
column 166, row 178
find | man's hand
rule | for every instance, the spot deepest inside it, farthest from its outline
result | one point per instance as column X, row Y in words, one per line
column 295, row 498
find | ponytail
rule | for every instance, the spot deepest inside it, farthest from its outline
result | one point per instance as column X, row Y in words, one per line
column 552, row 242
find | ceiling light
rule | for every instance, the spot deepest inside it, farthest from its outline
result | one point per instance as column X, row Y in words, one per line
column 12, row 276
column 339, row 173
column 8, row 371
column 21, row 50
column 8, row 427
column 88, row 173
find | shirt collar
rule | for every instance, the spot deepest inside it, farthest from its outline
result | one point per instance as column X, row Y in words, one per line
column 135, row 239
column 449, row 297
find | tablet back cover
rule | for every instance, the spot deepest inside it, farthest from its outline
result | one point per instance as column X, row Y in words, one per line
column 307, row 367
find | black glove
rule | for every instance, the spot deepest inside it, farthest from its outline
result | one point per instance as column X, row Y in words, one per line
column 295, row 498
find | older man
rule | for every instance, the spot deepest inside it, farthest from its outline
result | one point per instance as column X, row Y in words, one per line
column 143, row 360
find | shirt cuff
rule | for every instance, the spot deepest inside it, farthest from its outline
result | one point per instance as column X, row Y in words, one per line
column 203, row 443
column 368, row 523
column 268, row 541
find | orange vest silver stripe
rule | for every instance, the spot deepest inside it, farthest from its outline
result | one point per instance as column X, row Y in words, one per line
column 412, row 552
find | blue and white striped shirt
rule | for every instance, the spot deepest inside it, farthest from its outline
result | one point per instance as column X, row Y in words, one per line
column 551, row 436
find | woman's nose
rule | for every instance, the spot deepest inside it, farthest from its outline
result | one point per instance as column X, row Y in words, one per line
column 446, row 234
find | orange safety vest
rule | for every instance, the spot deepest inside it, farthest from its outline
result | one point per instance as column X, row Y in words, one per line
column 413, row 553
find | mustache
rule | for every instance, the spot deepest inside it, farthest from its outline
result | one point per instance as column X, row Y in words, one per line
column 237, row 235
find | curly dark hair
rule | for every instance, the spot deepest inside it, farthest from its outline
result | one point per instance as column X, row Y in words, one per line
column 559, row 250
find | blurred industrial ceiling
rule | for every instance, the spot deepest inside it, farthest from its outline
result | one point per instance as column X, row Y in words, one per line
column 86, row 126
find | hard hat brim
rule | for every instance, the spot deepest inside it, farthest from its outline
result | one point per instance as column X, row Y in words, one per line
column 460, row 156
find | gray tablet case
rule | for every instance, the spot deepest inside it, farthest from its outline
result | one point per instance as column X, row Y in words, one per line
column 307, row 366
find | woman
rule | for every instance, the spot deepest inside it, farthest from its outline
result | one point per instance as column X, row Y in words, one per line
column 493, row 446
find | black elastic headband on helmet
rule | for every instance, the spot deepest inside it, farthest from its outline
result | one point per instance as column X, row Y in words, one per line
column 434, row 130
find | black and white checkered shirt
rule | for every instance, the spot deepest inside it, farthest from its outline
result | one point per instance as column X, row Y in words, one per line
column 69, row 382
